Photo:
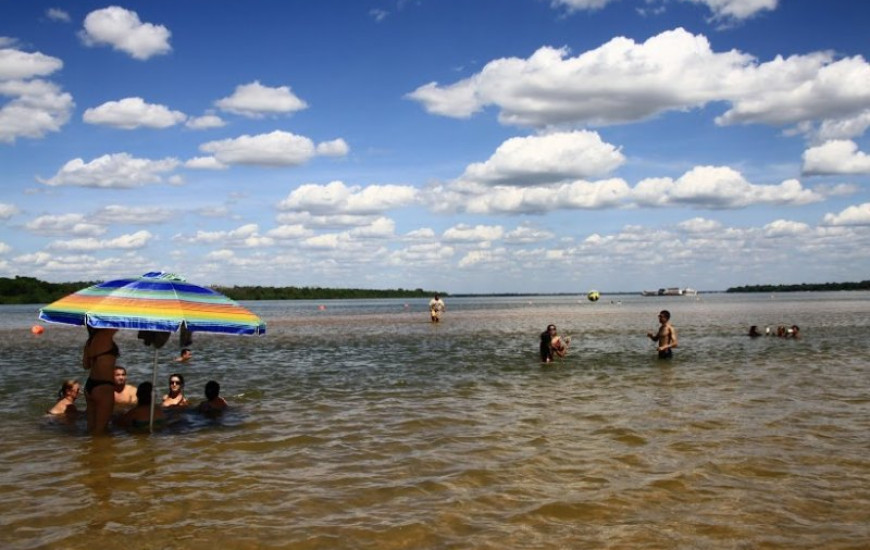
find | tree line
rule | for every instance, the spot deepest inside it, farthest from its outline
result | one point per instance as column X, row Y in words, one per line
column 29, row 290
column 803, row 287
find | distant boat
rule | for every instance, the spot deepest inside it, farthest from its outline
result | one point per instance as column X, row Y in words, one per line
column 670, row 291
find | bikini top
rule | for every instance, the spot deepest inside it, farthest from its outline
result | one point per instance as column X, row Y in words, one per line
column 114, row 351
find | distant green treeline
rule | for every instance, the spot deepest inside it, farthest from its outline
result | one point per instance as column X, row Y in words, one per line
column 318, row 293
column 28, row 290
column 803, row 287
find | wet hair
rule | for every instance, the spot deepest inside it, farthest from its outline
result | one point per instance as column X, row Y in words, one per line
column 119, row 367
column 65, row 387
column 143, row 393
column 666, row 314
column 180, row 378
column 212, row 390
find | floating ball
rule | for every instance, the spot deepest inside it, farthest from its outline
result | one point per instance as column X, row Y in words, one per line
column 37, row 329
column 593, row 296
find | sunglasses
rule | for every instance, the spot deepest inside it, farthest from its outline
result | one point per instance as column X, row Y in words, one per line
column 175, row 382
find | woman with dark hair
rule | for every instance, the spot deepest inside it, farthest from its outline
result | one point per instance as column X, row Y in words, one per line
column 175, row 398
column 552, row 345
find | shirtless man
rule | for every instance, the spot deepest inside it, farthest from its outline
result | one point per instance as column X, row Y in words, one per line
column 666, row 337
column 125, row 394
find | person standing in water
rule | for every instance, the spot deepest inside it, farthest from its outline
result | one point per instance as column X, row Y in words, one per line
column 98, row 358
column 666, row 337
column 552, row 345
column 436, row 306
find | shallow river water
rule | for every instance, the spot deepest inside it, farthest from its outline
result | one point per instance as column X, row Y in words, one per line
column 362, row 425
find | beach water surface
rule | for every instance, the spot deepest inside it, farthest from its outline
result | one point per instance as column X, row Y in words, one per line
column 362, row 425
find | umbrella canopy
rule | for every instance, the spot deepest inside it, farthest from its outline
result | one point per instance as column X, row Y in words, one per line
column 156, row 301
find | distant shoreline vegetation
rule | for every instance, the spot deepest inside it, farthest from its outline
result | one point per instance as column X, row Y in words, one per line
column 803, row 287
column 28, row 290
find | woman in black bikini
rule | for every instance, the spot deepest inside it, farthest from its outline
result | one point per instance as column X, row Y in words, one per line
column 99, row 357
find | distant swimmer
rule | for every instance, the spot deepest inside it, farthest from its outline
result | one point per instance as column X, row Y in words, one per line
column 753, row 331
column 552, row 345
column 436, row 307
column 666, row 337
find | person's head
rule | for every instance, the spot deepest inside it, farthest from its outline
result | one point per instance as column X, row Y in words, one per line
column 176, row 382
column 437, row 297
column 212, row 390
column 120, row 376
column 69, row 388
column 753, row 330
column 185, row 354
column 795, row 329
column 143, row 393
column 664, row 315
column 551, row 329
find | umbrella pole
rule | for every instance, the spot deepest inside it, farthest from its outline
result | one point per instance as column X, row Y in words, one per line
column 153, row 393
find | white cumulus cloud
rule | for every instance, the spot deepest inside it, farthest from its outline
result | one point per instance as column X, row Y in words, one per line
column 122, row 29
column 719, row 187
column 472, row 234
column 124, row 242
column 255, row 100
column 853, row 215
column 625, row 81
column 278, row 148
column 205, row 122
column 338, row 198
column 119, row 170
column 35, row 106
column 548, row 158
column 133, row 112
column 840, row 156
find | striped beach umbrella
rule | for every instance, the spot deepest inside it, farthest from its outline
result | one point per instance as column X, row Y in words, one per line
column 156, row 303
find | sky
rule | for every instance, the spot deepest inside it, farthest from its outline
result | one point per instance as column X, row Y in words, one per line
column 465, row 146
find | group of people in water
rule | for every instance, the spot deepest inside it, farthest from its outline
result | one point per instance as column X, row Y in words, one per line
column 109, row 397
column 781, row 331
column 553, row 345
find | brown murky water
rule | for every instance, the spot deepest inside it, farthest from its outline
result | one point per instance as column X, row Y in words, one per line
column 363, row 426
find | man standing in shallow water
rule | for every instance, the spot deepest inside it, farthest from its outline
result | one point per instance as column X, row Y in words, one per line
column 125, row 394
column 666, row 337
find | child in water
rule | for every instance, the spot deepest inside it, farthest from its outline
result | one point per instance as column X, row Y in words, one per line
column 214, row 403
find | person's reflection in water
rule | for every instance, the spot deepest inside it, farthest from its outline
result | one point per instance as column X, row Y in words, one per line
column 97, row 461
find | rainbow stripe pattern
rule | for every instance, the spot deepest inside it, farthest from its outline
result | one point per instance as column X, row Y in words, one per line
column 156, row 301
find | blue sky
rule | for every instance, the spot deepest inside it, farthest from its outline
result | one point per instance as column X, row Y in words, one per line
column 459, row 145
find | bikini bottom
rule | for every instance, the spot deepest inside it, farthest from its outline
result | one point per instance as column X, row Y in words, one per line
column 90, row 384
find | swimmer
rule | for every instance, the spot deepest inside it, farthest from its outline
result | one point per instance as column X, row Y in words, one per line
column 139, row 417
column 214, row 403
column 175, row 398
column 69, row 392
